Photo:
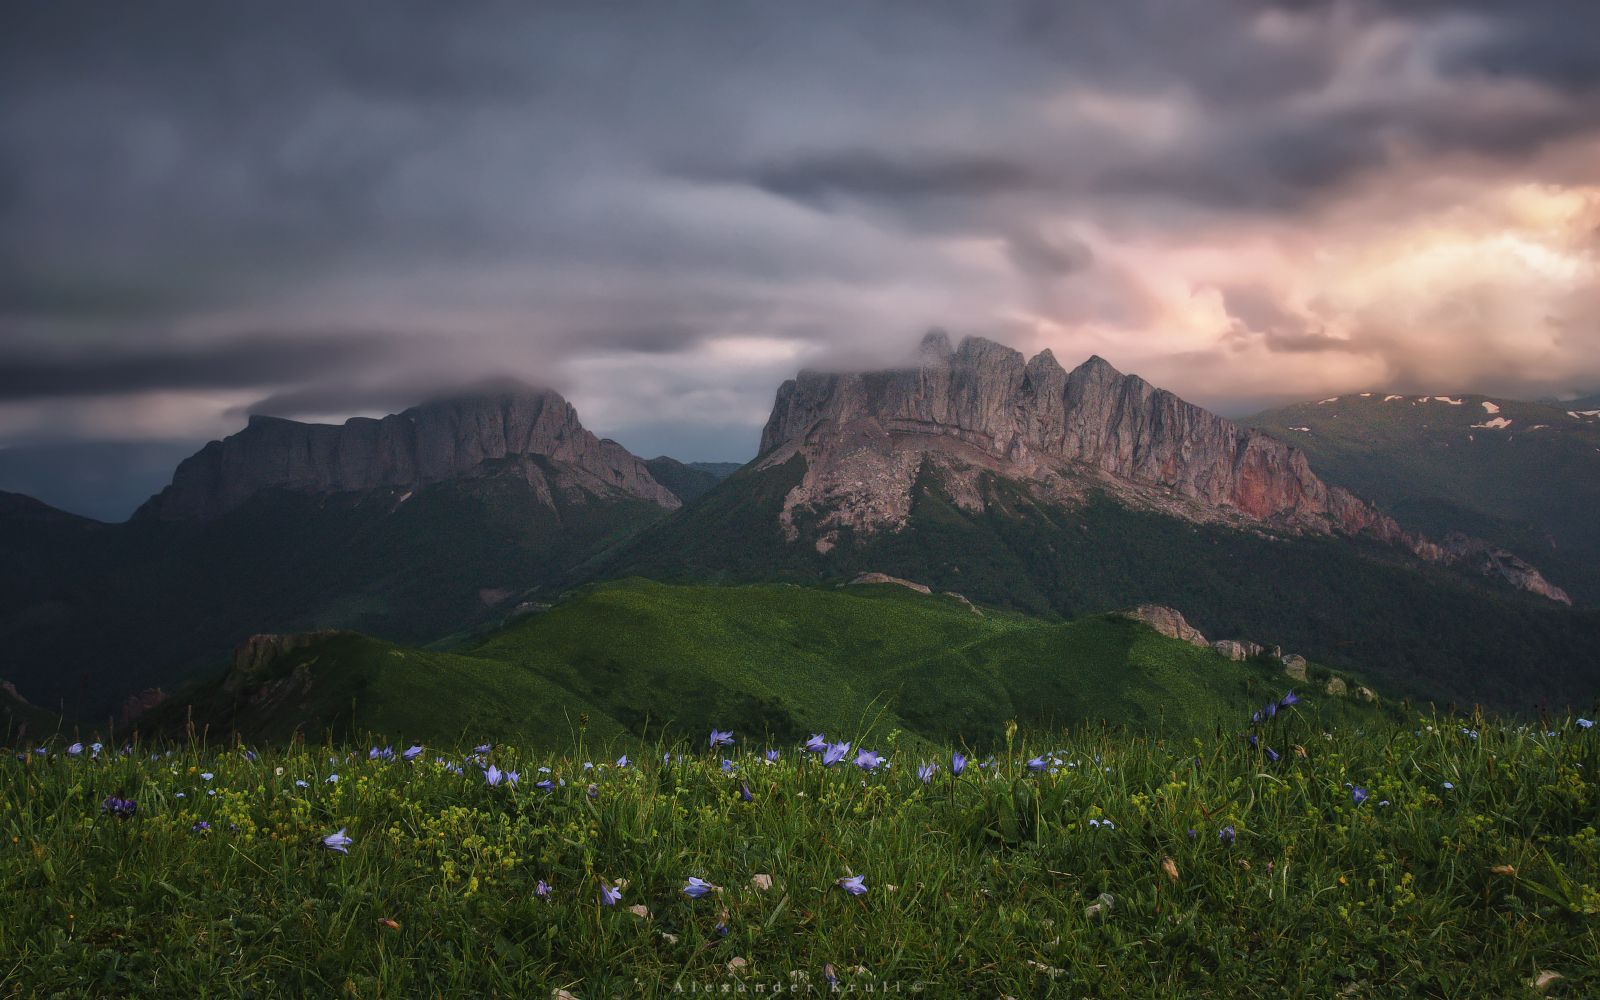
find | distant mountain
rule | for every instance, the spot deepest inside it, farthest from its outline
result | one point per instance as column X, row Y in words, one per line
column 1525, row 476
column 1017, row 482
column 105, row 480
column 413, row 527
column 768, row 661
column 689, row 480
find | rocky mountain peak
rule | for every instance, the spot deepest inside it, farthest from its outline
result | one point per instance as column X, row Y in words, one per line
column 449, row 437
column 985, row 409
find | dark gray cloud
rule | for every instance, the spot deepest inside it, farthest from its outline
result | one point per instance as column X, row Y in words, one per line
column 661, row 210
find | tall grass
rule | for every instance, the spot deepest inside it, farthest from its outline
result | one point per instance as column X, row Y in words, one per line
column 1470, row 868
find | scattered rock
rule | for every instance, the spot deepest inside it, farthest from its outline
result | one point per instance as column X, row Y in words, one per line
column 886, row 578
column 761, row 882
column 640, row 910
column 1168, row 621
column 970, row 606
column 1542, row 981
column 1366, row 694
column 737, row 964
column 1337, row 686
column 1236, row 649
column 1101, row 907
column 1171, row 868
column 1294, row 667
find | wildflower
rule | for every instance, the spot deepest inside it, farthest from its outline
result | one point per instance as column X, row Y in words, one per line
column 1227, row 835
column 333, row 779
column 1358, row 795
column 119, row 807
column 201, row 827
column 744, row 792
column 1586, row 723
column 1448, row 786
column 411, row 752
column 1271, row 709
column 1253, row 741
column 958, row 763
column 1289, row 699
column 207, row 775
column 1272, row 755
column 855, row 885
column 829, row 976
column 492, row 775
column 1383, row 802
column 387, row 753
column 1037, row 764
column 772, row 756
column 511, row 778
column 817, row 743
column 1255, row 717
column 868, row 759
column 546, row 786
column 75, row 750
column 609, row 895
column 1193, row 833
column 338, row 842
column 719, row 738
column 698, row 887
column 926, row 772
column 542, row 890
column 727, row 766
column 623, row 761
column 834, row 753
column 301, row 783
column 594, row 790
column 482, row 748
column 95, row 748
column 249, row 755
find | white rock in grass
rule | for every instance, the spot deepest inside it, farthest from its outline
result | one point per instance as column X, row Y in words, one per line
column 761, row 882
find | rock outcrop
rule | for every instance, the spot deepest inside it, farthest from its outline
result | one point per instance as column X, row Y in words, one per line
column 983, row 407
column 1168, row 622
column 894, row 580
column 529, row 432
column 1237, row 650
column 1294, row 667
column 137, row 704
column 253, row 658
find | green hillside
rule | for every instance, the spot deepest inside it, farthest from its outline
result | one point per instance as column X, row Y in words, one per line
column 643, row 658
column 1418, row 630
column 95, row 611
column 1525, row 476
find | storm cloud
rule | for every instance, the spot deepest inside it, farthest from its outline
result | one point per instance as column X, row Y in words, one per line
column 322, row 209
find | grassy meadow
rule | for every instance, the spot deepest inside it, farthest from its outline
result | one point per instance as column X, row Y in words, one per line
column 1430, row 857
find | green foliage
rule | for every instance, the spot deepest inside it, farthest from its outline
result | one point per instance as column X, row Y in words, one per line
column 1472, row 867
column 646, row 658
column 1418, row 630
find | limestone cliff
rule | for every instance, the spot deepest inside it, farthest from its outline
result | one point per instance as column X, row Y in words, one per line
column 985, row 408
column 444, row 439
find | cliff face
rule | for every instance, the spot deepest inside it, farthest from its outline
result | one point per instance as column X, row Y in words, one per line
column 436, row 441
column 983, row 407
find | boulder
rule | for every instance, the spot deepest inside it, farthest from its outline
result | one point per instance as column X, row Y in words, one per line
column 1294, row 667
column 1236, row 649
column 1167, row 621
column 1337, row 686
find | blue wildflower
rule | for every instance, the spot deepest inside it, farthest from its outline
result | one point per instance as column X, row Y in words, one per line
column 926, row 772
column 1448, row 786
column 1227, row 835
column 412, row 752
column 301, row 783
column 332, row 779
column 772, row 756
column 546, row 786
column 482, row 748
column 623, row 761
column 719, row 738
column 201, row 827
column 542, row 890
column 75, row 749
column 119, row 807
column 855, row 885
column 868, row 760
column 1586, row 723
column 1358, row 795
column 338, row 842
column 492, row 775
column 1289, row 699
column 1253, row 741
column 593, row 790
column 958, row 763
column 834, row 753
column 744, row 792
column 1272, row 755
column 727, row 766
column 1038, row 764
column 609, row 894
column 817, row 743
column 698, row 887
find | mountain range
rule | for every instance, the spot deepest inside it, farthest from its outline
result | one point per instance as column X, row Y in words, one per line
column 1013, row 482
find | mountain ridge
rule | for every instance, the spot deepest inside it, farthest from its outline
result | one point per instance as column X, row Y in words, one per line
column 983, row 407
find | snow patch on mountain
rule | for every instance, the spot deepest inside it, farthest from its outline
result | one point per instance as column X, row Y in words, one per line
column 1491, row 408
column 1498, row 423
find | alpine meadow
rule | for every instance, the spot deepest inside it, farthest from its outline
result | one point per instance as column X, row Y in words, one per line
column 1034, row 499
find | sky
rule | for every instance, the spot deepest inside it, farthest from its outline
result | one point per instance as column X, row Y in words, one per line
column 662, row 210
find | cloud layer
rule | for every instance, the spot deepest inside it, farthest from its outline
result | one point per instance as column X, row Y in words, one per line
column 320, row 209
